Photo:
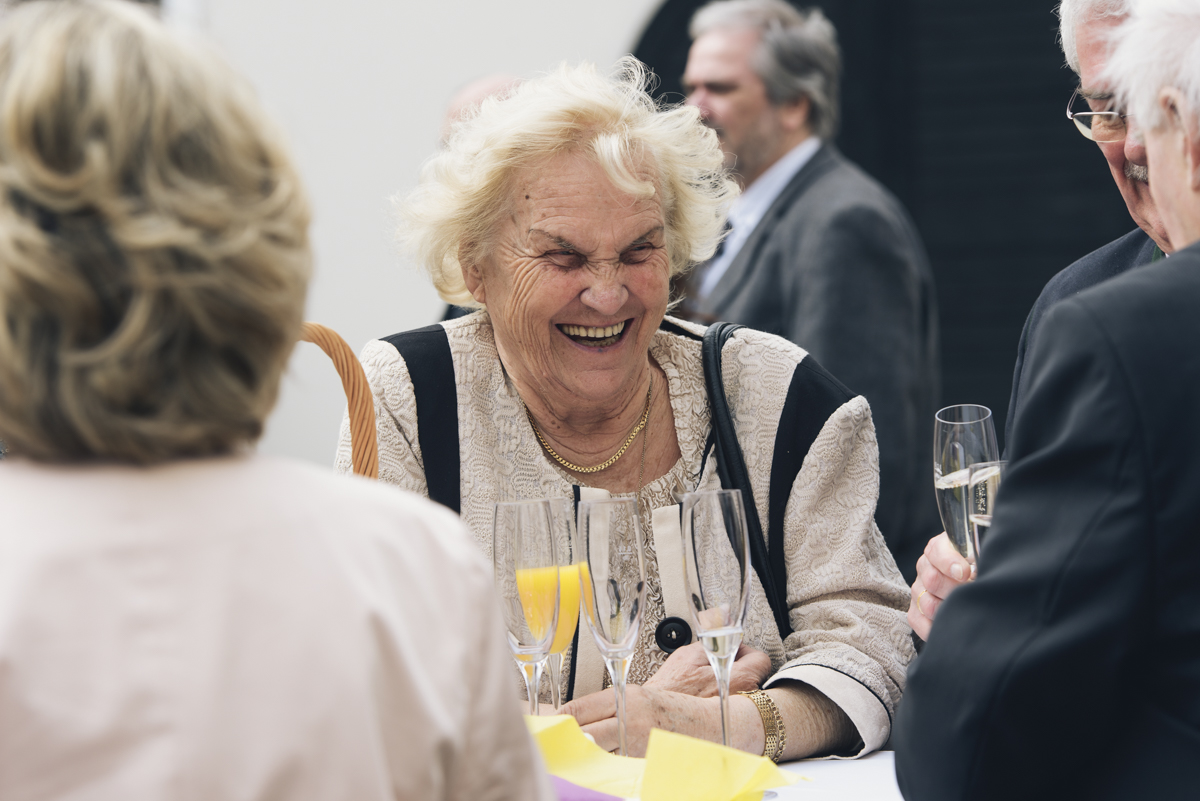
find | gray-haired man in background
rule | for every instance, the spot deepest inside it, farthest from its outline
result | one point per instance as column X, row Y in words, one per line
column 818, row 251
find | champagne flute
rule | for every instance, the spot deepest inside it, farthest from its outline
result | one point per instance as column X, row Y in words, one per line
column 526, row 570
column 613, row 579
column 983, row 481
column 963, row 435
column 562, row 514
column 714, row 521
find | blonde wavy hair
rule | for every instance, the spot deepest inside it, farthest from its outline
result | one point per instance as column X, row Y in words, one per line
column 154, row 253
column 465, row 190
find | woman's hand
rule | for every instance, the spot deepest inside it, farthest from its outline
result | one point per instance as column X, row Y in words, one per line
column 687, row 671
column 680, row 697
column 939, row 571
column 649, row 708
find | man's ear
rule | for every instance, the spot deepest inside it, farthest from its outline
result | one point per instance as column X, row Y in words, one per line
column 472, row 274
column 794, row 114
column 1183, row 131
column 1191, row 138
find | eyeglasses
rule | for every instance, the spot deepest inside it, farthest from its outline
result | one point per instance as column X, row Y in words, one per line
column 1099, row 126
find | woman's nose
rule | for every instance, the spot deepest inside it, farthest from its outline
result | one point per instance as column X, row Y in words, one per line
column 606, row 294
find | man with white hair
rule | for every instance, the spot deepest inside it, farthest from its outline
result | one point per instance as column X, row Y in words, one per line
column 1085, row 30
column 818, row 252
column 1071, row 667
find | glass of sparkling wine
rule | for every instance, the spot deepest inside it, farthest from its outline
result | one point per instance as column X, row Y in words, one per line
column 562, row 514
column 716, row 569
column 962, row 436
column 526, row 570
column 613, row 580
column 983, row 481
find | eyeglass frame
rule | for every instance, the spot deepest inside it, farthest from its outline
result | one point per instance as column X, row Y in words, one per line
column 1086, row 130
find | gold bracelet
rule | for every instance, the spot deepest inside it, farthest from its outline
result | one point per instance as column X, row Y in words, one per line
column 776, row 734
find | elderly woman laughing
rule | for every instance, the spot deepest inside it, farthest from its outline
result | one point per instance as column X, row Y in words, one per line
column 562, row 211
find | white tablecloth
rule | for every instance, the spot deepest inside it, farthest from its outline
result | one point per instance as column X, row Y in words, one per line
column 872, row 778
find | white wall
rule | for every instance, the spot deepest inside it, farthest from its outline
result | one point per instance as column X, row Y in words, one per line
column 360, row 86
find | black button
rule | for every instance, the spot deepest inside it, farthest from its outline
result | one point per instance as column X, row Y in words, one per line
column 672, row 633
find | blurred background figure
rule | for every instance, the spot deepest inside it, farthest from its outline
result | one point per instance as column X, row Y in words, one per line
column 465, row 102
column 467, row 99
column 179, row 617
column 1068, row 668
column 817, row 251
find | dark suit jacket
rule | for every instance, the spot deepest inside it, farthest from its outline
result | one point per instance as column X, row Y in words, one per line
column 1071, row 667
column 1135, row 249
column 836, row 266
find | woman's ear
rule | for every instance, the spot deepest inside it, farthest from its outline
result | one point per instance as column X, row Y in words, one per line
column 472, row 273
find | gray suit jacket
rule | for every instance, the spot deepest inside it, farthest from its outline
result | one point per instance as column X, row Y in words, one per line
column 837, row 267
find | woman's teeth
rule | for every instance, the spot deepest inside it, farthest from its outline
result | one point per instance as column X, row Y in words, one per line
column 593, row 333
column 604, row 335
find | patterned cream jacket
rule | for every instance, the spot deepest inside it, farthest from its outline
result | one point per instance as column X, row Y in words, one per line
column 846, row 598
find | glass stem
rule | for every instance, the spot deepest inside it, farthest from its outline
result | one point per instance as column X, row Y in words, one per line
column 533, row 682
column 722, row 666
column 554, row 669
column 618, row 671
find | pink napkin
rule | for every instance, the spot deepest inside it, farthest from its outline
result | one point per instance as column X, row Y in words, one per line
column 573, row 792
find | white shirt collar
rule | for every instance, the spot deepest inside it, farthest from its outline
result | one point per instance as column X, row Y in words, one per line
column 748, row 210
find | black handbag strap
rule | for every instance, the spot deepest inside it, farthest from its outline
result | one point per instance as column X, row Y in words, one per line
column 813, row 396
column 426, row 352
column 731, row 467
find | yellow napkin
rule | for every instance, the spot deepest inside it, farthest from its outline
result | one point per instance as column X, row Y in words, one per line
column 681, row 767
column 570, row 755
column 676, row 767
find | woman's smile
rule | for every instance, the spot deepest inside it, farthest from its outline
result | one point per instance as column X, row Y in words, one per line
column 595, row 336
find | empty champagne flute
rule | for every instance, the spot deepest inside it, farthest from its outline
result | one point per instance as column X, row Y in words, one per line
column 714, row 522
column 983, row 481
column 526, row 570
column 562, row 514
column 963, row 435
column 614, row 587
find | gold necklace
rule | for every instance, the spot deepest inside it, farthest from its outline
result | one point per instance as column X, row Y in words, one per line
column 575, row 468
column 642, row 469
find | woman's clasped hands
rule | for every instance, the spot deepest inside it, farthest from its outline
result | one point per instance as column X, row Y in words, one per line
column 680, row 697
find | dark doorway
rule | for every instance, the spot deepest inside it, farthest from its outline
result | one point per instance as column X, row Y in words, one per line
column 958, row 108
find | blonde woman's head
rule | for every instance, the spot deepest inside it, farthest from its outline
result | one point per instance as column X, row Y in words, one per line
column 154, row 251
column 466, row 190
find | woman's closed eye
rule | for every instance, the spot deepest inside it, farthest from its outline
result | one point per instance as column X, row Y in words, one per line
column 573, row 260
column 567, row 259
column 638, row 253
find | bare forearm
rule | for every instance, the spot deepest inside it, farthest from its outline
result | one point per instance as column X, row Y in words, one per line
column 815, row 726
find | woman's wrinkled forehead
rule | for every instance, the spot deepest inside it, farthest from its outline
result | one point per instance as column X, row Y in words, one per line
column 571, row 189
